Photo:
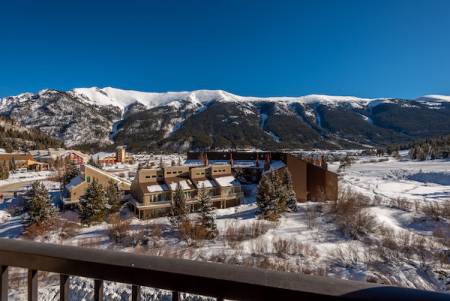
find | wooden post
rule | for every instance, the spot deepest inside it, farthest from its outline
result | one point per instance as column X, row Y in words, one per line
column 176, row 296
column 4, row 283
column 32, row 285
column 135, row 293
column 98, row 290
column 64, row 283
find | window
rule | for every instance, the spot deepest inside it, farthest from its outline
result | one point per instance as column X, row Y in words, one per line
column 147, row 177
column 153, row 176
column 88, row 179
column 169, row 172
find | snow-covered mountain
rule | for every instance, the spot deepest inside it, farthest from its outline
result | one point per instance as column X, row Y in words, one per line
column 218, row 119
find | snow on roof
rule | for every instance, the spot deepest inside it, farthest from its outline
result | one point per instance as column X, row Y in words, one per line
column 227, row 181
column 74, row 182
column 101, row 155
column 185, row 185
column 206, row 183
column 277, row 164
column 112, row 176
column 157, row 187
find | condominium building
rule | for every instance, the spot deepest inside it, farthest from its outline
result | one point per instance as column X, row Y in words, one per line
column 77, row 187
column 153, row 188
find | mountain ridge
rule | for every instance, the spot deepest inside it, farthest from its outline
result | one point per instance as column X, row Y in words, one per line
column 183, row 120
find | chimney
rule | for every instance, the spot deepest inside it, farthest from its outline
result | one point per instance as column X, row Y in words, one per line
column 231, row 159
column 267, row 162
column 205, row 159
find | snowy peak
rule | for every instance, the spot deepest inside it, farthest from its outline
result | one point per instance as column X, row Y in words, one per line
column 437, row 98
column 123, row 98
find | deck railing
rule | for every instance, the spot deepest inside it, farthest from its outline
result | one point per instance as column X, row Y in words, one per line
column 177, row 275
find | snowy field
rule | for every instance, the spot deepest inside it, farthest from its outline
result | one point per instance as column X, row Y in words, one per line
column 399, row 178
column 17, row 177
column 400, row 248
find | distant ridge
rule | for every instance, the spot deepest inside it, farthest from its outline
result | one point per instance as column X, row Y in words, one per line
column 176, row 121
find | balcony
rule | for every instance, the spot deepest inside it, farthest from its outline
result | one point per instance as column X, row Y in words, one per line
column 220, row 281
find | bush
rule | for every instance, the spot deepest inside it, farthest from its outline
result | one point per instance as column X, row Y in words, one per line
column 283, row 247
column 118, row 229
column 437, row 211
column 193, row 232
column 236, row 232
column 351, row 216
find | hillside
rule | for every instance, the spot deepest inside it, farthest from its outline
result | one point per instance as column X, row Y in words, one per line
column 177, row 121
column 15, row 137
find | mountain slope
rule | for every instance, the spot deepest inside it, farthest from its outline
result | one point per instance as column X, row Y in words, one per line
column 15, row 137
column 218, row 119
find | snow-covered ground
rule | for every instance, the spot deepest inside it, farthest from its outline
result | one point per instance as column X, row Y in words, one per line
column 17, row 177
column 398, row 178
column 308, row 241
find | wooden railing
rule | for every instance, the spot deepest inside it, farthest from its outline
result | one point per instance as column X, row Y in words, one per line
column 177, row 275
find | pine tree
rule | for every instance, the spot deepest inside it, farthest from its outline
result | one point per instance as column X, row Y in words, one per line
column 207, row 218
column 38, row 206
column 113, row 198
column 291, row 197
column 267, row 197
column 94, row 163
column 178, row 210
column 71, row 172
column 93, row 204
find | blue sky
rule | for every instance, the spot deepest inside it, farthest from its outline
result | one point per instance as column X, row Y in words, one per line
column 263, row 48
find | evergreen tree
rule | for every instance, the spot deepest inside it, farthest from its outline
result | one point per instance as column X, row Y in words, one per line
column 113, row 196
column 38, row 205
column 267, row 197
column 71, row 172
column 207, row 218
column 94, row 163
column 291, row 198
column 93, row 204
column 178, row 210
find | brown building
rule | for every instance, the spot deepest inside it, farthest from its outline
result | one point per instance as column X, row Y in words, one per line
column 153, row 188
column 78, row 185
column 120, row 156
column 311, row 178
column 21, row 160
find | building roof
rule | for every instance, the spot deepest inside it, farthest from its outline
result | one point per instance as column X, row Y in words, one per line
column 185, row 184
column 227, row 181
column 102, row 155
column 205, row 183
column 16, row 156
column 157, row 187
column 112, row 176
column 74, row 182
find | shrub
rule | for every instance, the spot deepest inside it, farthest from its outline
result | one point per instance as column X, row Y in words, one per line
column 236, row 232
column 193, row 232
column 351, row 216
column 118, row 229
column 431, row 209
